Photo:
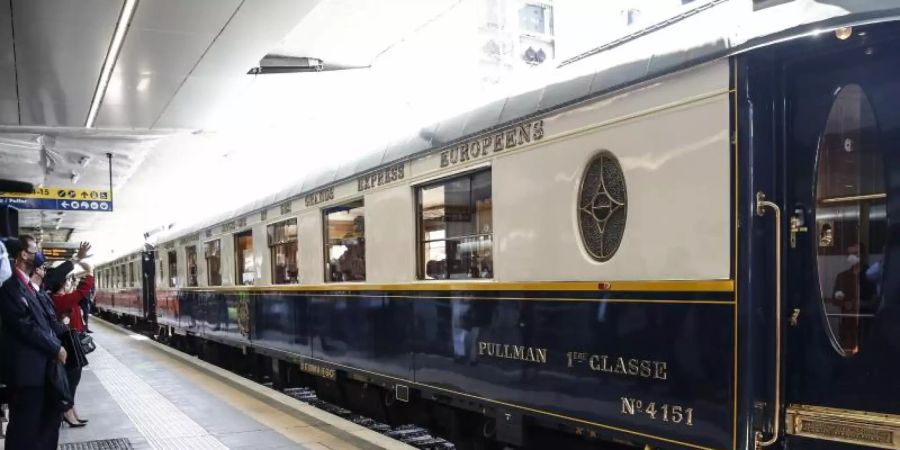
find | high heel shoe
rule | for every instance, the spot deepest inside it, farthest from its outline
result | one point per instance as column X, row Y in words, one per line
column 81, row 420
column 73, row 425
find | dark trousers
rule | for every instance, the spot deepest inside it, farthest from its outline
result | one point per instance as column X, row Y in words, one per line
column 74, row 377
column 86, row 309
column 33, row 423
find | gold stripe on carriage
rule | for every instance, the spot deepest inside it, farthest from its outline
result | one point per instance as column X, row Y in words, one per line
column 570, row 286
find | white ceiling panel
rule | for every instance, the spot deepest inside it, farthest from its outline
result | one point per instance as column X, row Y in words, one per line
column 255, row 29
column 124, row 106
column 186, row 16
column 151, row 67
column 197, row 99
column 60, row 47
column 165, row 41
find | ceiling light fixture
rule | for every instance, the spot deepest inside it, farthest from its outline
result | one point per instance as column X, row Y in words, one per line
column 75, row 177
column 111, row 57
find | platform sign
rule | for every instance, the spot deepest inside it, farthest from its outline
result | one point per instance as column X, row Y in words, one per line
column 63, row 199
column 58, row 253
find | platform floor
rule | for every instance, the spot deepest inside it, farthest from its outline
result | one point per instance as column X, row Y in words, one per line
column 158, row 398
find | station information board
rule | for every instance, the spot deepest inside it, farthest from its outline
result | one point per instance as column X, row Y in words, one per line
column 58, row 253
column 60, row 198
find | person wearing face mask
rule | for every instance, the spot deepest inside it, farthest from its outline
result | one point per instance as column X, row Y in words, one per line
column 30, row 347
column 852, row 289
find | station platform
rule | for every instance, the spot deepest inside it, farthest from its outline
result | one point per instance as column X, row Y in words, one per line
column 139, row 394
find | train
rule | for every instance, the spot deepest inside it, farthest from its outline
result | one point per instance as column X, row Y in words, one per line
column 682, row 242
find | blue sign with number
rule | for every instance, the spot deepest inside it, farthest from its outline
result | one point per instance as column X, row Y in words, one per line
column 62, row 205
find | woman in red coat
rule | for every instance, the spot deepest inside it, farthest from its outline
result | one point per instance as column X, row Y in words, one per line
column 68, row 309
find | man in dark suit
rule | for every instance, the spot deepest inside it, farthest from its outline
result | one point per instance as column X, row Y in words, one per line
column 29, row 345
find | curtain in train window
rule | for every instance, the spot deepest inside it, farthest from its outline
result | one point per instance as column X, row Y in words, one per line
column 456, row 228
column 243, row 258
column 173, row 268
column 345, row 242
column 130, row 274
column 212, row 253
column 191, row 253
column 283, row 250
column 851, row 223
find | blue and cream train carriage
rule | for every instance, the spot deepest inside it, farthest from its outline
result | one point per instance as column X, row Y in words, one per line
column 690, row 249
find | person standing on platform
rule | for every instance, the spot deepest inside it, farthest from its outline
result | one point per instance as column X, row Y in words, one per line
column 30, row 346
column 68, row 309
column 70, row 339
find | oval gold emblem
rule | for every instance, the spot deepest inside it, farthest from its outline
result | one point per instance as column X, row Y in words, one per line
column 602, row 206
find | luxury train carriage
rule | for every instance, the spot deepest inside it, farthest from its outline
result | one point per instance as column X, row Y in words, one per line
column 688, row 250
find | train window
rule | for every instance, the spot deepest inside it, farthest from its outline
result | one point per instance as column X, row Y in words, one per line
column 191, row 252
column 456, row 228
column 243, row 257
column 283, row 249
column 212, row 253
column 345, row 242
column 851, row 220
column 172, row 257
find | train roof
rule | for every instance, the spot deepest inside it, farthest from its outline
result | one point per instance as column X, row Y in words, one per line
column 713, row 31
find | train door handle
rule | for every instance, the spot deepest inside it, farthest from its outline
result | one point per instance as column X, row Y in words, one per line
column 761, row 206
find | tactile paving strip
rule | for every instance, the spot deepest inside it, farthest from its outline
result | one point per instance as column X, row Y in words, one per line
column 161, row 422
column 106, row 444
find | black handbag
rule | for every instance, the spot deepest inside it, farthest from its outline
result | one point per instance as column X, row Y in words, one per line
column 72, row 343
column 59, row 395
column 87, row 343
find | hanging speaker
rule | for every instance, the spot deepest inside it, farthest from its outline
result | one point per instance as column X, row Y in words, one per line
column 18, row 187
column 9, row 221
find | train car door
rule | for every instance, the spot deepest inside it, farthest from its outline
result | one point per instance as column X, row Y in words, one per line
column 148, row 284
column 841, row 175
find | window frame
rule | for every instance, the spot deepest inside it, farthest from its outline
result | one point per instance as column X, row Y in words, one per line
column 172, row 268
column 844, row 318
column 206, row 258
column 470, row 173
column 195, row 280
column 326, row 247
column 238, row 263
column 273, row 246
